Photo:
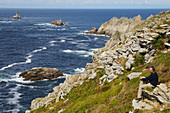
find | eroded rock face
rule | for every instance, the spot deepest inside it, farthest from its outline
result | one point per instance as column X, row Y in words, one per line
column 40, row 74
column 121, row 25
column 117, row 26
column 59, row 23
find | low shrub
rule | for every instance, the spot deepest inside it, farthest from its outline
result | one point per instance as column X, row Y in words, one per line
column 139, row 59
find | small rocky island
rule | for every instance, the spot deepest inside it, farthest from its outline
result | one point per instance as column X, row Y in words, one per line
column 59, row 23
column 17, row 16
column 40, row 73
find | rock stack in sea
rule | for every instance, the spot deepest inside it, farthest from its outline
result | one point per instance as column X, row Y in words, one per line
column 17, row 16
column 130, row 39
column 59, row 23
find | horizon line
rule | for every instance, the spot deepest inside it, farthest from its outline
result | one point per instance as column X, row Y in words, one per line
column 84, row 8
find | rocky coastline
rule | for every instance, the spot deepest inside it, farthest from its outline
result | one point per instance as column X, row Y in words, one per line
column 131, row 39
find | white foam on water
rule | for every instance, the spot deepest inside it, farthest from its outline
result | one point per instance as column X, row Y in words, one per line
column 80, row 70
column 80, row 52
column 44, row 24
column 68, row 51
column 95, row 49
column 52, row 44
column 73, row 42
column 95, row 38
column 85, row 33
column 5, row 22
column 15, row 78
column 60, row 77
column 63, row 40
column 75, row 51
column 86, row 55
column 28, row 59
column 18, row 79
column 83, row 41
column 52, row 41
column 63, row 29
column 15, row 99
column 38, row 50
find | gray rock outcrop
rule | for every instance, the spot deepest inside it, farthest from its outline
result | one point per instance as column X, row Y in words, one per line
column 122, row 25
column 158, row 98
column 134, row 75
column 40, row 74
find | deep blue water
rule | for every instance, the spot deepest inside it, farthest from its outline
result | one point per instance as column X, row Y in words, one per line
column 33, row 42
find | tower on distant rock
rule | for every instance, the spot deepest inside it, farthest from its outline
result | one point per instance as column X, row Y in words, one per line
column 16, row 16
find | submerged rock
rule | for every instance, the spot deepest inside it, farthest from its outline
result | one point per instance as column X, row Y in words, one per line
column 59, row 23
column 40, row 74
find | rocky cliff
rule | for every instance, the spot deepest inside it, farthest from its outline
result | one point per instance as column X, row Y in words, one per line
column 114, row 25
column 109, row 84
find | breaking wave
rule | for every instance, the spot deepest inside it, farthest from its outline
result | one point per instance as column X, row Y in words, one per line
column 28, row 59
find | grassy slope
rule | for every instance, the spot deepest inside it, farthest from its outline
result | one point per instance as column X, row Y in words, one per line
column 113, row 97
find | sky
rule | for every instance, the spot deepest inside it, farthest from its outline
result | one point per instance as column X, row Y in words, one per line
column 87, row 4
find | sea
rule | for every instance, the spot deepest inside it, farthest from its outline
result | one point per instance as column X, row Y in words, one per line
column 33, row 41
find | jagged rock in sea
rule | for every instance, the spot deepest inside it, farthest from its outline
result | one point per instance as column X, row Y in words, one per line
column 59, row 23
column 40, row 74
column 92, row 31
column 17, row 16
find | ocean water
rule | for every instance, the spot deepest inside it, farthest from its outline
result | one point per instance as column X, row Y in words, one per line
column 33, row 42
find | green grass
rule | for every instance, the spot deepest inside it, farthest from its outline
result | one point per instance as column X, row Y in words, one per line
column 158, row 43
column 139, row 59
column 167, row 22
column 159, row 27
column 112, row 97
